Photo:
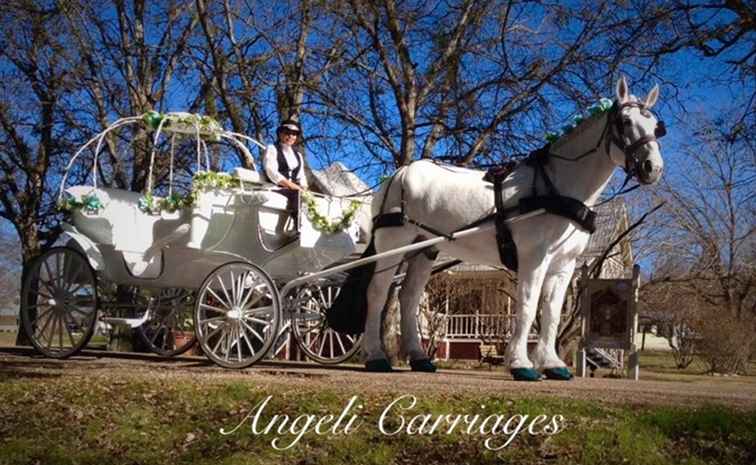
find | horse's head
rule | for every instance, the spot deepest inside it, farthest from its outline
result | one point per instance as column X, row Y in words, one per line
column 635, row 131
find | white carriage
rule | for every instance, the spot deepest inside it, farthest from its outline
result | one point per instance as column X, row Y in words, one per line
column 209, row 266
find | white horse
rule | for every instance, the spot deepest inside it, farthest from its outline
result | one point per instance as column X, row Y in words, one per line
column 579, row 165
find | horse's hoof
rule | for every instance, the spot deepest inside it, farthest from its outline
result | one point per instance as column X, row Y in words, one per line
column 525, row 374
column 423, row 364
column 380, row 365
column 561, row 374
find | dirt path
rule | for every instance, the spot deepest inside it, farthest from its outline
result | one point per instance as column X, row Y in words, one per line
column 656, row 389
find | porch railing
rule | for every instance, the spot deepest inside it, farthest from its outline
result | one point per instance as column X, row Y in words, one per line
column 479, row 326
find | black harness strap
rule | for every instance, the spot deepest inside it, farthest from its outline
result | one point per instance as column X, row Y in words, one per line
column 570, row 208
column 504, row 240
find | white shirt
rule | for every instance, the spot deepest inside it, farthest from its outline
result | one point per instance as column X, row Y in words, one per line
column 270, row 163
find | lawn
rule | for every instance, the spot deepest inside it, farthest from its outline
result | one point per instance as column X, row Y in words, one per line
column 123, row 418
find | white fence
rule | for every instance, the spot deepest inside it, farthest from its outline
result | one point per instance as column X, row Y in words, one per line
column 479, row 326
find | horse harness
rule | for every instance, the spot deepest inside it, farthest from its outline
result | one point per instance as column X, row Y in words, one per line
column 552, row 202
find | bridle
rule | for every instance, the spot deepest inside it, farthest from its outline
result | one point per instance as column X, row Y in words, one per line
column 616, row 134
column 621, row 140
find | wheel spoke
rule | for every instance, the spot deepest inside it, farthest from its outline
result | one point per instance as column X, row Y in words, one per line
column 217, row 297
column 252, row 330
column 225, row 292
column 214, row 331
column 69, row 321
column 50, row 277
column 259, row 311
column 46, row 324
column 220, row 339
column 238, row 346
column 249, row 343
column 157, row 332
column 256, row 320
column 72, row 308
column 233, row 287
column 322, row 343
column 215, row 309
column 44, row 312
column 58, row 270
column 254, row 290
column 338, row 338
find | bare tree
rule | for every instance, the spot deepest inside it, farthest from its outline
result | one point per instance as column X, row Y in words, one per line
column 708, row 227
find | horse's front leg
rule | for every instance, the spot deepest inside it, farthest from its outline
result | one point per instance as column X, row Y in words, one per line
column 530, row 275
column 418, row 273
column 554, row 289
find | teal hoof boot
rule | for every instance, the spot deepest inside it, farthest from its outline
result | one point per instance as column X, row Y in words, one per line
column 525, row 374
column 424, row 365
column 380, row 365
column 560, row 374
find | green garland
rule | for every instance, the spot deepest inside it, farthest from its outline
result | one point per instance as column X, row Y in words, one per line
column 322, row 223
column 207, row 181
column 172, row 203
column 201, row 182
column 602, row 106
column 207, row 124
column 89, row 203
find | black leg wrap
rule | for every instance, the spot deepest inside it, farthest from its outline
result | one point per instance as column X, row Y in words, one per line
column 424, row 365
column 380, row 365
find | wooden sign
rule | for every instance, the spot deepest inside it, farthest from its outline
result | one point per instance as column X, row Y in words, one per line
column 610, row 312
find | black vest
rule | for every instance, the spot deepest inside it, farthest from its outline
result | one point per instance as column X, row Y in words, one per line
column 283, row 166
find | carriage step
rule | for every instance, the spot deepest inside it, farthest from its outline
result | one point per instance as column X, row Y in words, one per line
column 130, row 322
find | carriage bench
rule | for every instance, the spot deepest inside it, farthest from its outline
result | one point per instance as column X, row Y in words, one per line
column 489, row 353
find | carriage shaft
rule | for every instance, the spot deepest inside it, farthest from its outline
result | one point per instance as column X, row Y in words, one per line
column 401, row 250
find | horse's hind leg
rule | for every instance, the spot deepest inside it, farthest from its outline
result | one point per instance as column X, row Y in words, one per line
column 418, row 273
column 377, row 294
column 554, row 289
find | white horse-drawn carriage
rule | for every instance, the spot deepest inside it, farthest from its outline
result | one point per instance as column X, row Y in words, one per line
column 250, row 273
column 207, row 266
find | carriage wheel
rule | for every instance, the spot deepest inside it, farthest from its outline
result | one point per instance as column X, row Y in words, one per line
column 170, row 329
column 319, row 342
column 237, row 315
column 59, row 302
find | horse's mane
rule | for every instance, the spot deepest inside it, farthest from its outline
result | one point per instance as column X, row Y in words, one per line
column 583, row 126
column 578, row 130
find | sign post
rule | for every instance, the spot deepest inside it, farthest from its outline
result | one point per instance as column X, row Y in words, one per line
column 610, row 318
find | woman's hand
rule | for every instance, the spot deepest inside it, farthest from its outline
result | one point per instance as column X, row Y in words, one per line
column 286, row 184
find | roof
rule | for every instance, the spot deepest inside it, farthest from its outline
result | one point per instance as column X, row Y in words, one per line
column 337, row 179
column 611, row 220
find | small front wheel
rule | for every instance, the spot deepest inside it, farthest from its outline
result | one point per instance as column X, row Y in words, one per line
column 237, row 315
column 170, row 329
column 59, row 302
column 316, row 339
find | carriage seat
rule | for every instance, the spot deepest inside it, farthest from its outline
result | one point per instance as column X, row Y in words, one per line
column 247, row 176
column 139, row 235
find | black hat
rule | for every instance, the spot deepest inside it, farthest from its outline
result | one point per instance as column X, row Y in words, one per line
column 289, row 125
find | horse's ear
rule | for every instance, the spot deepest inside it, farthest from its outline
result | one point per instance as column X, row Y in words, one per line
column 652, row 97
column 623, row 93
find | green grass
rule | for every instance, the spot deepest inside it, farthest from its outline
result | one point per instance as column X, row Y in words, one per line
column 124, row 419
column 664, row 362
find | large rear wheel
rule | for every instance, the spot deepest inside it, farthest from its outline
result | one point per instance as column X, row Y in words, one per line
column 59, row 302
column 237, row 315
